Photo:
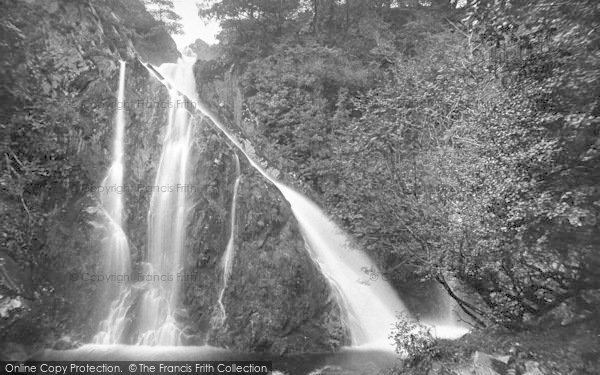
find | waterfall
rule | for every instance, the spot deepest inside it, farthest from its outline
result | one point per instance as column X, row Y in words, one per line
column 155, row 322
column 227, row 262
column 167, row 218
column 116, row 250
column 370, row 307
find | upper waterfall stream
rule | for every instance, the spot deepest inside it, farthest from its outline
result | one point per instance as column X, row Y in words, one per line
column 116, row 249
column 167, row 220
column 155, row 313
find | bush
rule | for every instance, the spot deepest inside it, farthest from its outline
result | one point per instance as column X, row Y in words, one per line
column 414, row 342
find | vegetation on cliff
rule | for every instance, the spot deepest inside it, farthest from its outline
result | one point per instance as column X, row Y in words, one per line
column 59, row 69
column 459, row 144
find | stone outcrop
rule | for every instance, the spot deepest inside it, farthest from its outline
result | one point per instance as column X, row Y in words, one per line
column 59, row 63
column 490, row 364
column 276, row 299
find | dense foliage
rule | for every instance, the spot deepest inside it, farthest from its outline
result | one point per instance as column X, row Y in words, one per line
column 163, row 11
column 454, row 143
column 536, row 233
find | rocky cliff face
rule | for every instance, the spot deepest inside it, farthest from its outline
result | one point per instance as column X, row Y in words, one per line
column 59, row 66
column 276, row 299
column 223, row 89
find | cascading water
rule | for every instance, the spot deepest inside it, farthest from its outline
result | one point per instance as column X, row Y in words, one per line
column 167, row 218
column 227, row 262
column 370, row 306
column 371, row 309
column 155, row 322
column 444, row 323
column 116, row 250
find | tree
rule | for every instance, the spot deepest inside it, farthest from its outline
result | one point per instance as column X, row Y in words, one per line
column 533, row 229
column 471, row 154
column 162, row 11
column 251, row 27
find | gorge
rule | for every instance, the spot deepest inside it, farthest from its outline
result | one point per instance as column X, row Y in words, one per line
column 313, row 291
column 369, row 311
column 337, row 187
column 148, row 314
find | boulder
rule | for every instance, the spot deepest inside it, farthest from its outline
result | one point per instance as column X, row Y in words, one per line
column 487, row 364
column 532, row 368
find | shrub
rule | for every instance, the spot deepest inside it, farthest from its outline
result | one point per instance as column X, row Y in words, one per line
column 414, row 342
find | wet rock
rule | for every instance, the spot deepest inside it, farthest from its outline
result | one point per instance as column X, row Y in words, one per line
column 51, row 6
column 150, row 40
column 532, row 368
column 64, row 343
column 276, row 299
column 152, row 45
column 436, row 369
column 15, row 281
column 13, row 351
column 60, row 61
column 486, row 364
column 67, row 54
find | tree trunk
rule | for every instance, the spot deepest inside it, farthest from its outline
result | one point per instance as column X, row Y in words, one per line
column 466, row 307
column 347, row 14
column 315, row 18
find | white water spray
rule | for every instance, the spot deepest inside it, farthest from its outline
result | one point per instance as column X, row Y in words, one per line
column 371, row 306
column 167, row 218
column 115, row 246
column 227, row 262
column 371, row 309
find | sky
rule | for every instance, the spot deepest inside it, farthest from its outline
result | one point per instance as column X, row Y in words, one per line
column 193, row 26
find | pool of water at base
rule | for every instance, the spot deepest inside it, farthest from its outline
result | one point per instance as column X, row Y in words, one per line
column 347, row 361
